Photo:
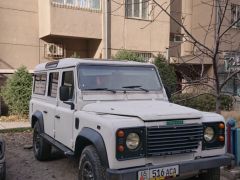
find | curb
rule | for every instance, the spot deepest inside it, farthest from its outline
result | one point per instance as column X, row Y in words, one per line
column 14, row 125
column 14, row 130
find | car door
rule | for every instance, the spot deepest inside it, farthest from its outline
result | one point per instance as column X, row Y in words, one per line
column 64, row 114
column 49, row 110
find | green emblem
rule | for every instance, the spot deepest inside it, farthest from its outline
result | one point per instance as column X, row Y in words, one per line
column 174, row 122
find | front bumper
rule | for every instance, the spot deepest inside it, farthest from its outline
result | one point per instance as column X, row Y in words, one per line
column 184, row 167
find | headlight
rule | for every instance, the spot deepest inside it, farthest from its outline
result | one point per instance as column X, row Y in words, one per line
column 209, row 134
column 132, row 141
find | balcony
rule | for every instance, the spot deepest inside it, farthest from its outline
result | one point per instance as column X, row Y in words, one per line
column 70, row 18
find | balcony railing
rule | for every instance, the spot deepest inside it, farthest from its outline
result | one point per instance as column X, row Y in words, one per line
column 81, row 4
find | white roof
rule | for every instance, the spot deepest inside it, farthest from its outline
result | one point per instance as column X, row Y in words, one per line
column 72, row 62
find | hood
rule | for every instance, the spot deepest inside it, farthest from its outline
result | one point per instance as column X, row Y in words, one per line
column 146, row 110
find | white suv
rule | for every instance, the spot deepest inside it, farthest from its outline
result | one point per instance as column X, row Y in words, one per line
column 116, row 118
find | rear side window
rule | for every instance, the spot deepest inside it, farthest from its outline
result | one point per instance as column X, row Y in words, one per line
column 40, row 84
column 68, row 81
column 53, row 84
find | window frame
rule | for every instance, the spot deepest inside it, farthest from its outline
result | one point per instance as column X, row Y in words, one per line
column 49, row 81
column 234, row 17
column 79, row 5
column 140, row 17
column 73, row 82
column 34, row 84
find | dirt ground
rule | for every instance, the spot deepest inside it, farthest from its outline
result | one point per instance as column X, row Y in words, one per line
column 21, row 164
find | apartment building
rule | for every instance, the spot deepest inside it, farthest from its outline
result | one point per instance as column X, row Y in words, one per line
column 33, row 31
column 200, row 18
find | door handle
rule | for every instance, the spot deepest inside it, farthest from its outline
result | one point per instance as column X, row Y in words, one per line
column 76, row 123
column 45, row 112
column 56, row 116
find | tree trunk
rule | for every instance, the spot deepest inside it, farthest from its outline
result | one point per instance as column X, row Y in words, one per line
column 218, row 104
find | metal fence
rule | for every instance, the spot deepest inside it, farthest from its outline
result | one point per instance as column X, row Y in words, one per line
column 84, row 4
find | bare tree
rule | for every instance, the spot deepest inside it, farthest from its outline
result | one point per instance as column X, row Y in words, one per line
column 214, row 52
column 219, row 24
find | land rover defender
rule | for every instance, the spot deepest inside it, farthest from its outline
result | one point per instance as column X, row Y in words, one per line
column 116, row 118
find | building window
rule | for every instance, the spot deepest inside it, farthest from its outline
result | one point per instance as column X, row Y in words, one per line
column 176, row 37
column 85, row 4
column 146, row 56
column 231, row 65
column 235, row 15
column 137, row 9
column 53, row 84
column 40, row 84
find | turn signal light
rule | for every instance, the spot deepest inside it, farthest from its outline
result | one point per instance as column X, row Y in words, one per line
column 221, row 138
column 221, row 126
column 120, row 133
column 120, row 148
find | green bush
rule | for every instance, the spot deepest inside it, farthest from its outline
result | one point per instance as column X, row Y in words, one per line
column 128, row 55
column 167, row 73
column 17, row 92
column 205, row 102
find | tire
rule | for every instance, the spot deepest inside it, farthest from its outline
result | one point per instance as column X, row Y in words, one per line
column 90, row 166
column 212, row 174
column 3, row 175
column 41, row 149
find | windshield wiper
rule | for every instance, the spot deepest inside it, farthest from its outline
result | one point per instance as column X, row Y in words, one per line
column 101, row 89
column 136, row 87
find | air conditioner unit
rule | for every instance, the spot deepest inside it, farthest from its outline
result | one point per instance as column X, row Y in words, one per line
column 53, row 50
column 173, row 60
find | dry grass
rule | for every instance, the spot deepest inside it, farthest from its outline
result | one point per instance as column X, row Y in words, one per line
column 12, row 118
column 233, row 114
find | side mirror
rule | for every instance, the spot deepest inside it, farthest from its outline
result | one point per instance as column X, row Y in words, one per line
column 64, row 93
column 65, row 96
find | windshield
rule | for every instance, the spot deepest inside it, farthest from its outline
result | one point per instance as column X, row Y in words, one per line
column 118, row 78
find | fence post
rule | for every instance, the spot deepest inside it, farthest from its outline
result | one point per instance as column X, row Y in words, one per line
column 231, row 123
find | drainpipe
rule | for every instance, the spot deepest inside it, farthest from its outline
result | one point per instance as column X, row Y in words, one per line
column 216, row 18
column 106, row 19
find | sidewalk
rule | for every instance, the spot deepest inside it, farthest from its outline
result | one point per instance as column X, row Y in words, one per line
column 233, row 174
column 14, row 125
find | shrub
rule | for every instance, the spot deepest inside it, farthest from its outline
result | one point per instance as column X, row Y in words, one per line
column 17, row 92
column 167, row 73
column 205, row 102
column 128, row 55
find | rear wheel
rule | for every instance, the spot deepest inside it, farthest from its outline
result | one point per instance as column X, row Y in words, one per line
column 41, row 149
column 90, row 167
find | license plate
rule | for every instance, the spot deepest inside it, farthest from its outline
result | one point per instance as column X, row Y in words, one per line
column 159, row 173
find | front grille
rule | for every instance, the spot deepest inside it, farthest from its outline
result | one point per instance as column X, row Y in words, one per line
column 169, row 140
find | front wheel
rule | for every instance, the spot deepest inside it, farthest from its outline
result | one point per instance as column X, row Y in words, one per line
column 90, row 166
column 41, row 149
column 212, row 174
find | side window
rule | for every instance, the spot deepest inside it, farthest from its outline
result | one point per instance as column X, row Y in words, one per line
column 68, row 81
column 53, row 84
column 40, row 84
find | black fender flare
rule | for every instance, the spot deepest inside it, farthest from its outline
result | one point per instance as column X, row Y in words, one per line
column 38, row 117
column 95, row 138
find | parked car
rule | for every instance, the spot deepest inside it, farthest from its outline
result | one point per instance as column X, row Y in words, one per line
column 116, row 118
column 2, row 160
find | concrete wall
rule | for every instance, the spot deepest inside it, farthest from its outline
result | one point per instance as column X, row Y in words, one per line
column 199, row 17
column 137, row 34
column 19, row 43
column 44, row 17
column 55, row 19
